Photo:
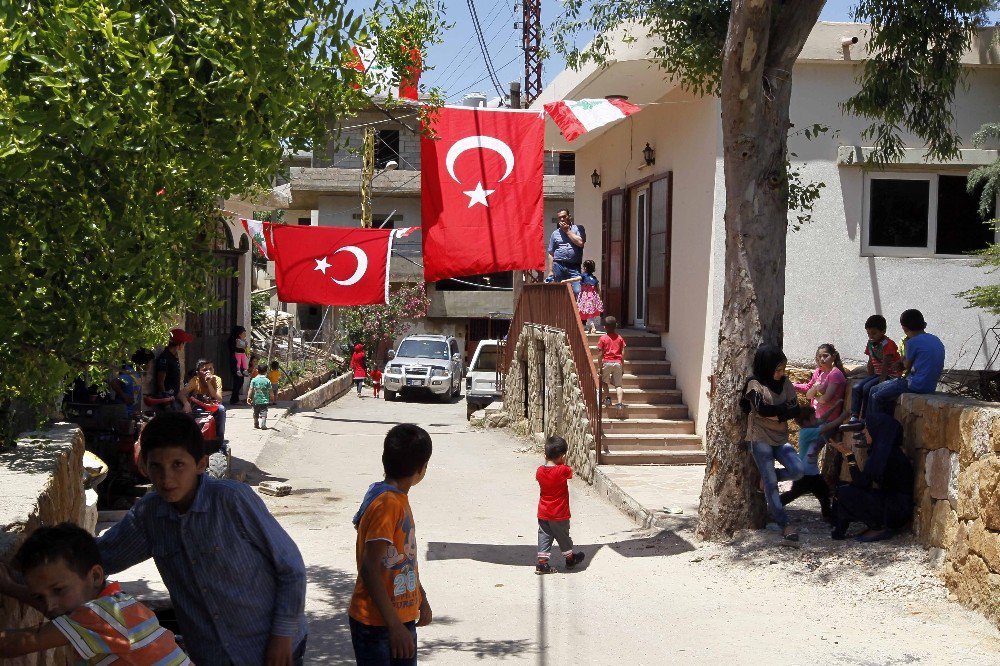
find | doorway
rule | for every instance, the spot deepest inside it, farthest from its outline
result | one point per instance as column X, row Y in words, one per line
column 638, row 256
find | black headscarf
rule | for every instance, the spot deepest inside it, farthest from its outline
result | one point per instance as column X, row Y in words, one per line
column 766, row 360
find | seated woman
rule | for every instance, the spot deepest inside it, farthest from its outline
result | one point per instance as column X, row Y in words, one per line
column 207, row 387
column 880, row 495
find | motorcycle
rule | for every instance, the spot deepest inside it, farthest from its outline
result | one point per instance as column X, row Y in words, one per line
column 203, row 412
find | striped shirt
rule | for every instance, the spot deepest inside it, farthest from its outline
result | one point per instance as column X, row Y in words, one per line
column 234, row 575
column 117, row 629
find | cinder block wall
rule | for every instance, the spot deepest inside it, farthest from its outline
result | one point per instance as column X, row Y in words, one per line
column 41, row 483
column 954, row 443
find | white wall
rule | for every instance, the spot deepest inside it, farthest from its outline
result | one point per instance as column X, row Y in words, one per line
column 682, row 130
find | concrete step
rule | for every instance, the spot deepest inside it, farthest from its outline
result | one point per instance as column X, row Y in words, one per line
column 635, row 396
column 637, row 353
column 638, row 367
column 632, row 338
column 676, row 411
column 635, row 426
column 650, row 381
column 654, row 457
column 652, row 442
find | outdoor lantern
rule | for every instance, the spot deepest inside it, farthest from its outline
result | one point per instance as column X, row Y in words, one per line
column 649, row 155
column 595, row 178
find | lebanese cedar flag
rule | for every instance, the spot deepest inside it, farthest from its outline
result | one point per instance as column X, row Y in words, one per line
column 255, row 229
column 481, row 192
column 381, row 79
column 331, row 265
column 582, row 116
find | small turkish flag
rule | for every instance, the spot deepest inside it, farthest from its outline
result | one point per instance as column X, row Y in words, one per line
column 331, row 265
column 481, row 192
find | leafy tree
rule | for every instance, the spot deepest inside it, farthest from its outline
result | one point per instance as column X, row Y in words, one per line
column 122, row 122
column 744, row 51
column 984, row 181
column 370, row 325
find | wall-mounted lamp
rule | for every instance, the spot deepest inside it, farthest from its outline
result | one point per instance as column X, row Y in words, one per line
column 649, row 155
column 595, row 178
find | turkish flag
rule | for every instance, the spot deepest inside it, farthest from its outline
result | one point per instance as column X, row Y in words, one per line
column 331, row 265
column 481, row 192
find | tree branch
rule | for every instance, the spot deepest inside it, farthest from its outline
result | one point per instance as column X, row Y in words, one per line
column 791, row 28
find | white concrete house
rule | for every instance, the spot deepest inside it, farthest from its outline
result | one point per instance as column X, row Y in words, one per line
column 879, row 241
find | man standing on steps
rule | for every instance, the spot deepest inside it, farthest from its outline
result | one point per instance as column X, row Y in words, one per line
column 565, row 251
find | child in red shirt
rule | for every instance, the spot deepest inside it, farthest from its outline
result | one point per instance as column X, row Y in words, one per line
column 612, row 348
column 553, row 506
column 376, row 376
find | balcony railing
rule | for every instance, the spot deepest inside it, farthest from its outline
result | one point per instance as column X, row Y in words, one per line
column 554, row 305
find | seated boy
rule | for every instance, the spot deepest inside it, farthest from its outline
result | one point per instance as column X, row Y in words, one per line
column 236, row 578
column 389, row 602
column 64, row 580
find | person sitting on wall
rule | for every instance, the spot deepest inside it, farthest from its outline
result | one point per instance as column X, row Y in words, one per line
column 880, row 493
column 922, row 365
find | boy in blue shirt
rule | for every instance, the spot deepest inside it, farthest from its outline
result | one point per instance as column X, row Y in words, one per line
column 922, row 365
column 236, row 578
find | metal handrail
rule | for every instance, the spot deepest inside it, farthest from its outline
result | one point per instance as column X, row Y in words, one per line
column 554, row 305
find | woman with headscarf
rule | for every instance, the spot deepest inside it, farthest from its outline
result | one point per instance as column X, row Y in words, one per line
column 234, row 371
column 358, row 366
column 880, row 495
column 769, row 400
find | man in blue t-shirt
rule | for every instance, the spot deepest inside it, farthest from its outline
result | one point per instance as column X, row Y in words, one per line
column 565, row 251
column 923, row 365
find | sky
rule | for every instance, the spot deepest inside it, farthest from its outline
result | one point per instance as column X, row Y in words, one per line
column 458, row 64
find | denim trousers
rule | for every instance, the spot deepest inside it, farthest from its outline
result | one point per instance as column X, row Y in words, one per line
column 561, row 272
column 371, row 644
column 861, row 393
column 882, row 397
column 765, row 456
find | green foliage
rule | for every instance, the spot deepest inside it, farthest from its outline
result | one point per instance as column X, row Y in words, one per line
column 802, row 196
column 258, row 308
column 121, row 123
column 985, row 181
column 371, row 324
column 914, row 65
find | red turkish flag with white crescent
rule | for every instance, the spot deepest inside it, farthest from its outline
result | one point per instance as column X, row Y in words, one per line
column 481, row 192
column 331, row 265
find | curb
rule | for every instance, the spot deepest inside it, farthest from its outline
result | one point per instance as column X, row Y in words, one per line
column 323, row 394
column 622, row 501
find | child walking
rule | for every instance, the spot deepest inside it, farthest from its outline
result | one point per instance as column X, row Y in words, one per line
column 64, row 580
column 274, row 376
column 260, row 395
column 589, row 302
column 376, row 382
column 389, row 603
column 553, row 506
column 236, row 578
column 884, row 362
column 358, row 366
column 612, row 348
column 241, row 344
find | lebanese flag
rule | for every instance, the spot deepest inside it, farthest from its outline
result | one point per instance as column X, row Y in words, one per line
column 382, row 79
column 582, row 116
column 331, row 265
column 255, row 229
column 481, row 192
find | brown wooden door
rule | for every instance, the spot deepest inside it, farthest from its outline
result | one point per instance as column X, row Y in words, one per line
column 658, row 302
column 211, row 328
column 613, row 257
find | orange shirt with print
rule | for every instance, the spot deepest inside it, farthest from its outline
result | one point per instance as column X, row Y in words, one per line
column 388, row 518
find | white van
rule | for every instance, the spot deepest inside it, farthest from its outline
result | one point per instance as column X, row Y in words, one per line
column 481, row 379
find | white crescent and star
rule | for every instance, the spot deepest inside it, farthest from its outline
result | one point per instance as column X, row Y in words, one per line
column 322, row 264
column 479, row 195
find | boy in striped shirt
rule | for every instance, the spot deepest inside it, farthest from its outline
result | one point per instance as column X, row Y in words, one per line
column 65, row 581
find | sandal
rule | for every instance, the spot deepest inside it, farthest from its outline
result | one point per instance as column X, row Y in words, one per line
column 789, row 536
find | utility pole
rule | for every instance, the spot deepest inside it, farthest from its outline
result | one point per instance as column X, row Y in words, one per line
column 367, row 175
column 531, row 29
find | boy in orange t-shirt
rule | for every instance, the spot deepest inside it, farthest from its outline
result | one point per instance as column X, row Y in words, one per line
column 389, row 602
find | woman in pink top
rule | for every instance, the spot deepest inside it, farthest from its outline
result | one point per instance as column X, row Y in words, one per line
column 828, row 384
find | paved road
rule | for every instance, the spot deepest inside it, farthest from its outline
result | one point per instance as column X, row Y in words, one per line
column 640, row 599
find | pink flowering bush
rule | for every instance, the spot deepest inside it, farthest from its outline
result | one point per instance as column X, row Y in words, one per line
column 371, row 324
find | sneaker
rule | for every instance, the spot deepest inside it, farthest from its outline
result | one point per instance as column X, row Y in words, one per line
column 543, row 567
column 607, row 403
column 256, row 426
column 574, row 560
column 619, row 406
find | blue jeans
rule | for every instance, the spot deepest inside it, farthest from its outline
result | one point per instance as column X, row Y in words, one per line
column 765, row 456
column 371, row 645
column 882, row 397
column 561, row 272
column 860, row 393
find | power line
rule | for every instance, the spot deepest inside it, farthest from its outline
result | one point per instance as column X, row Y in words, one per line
column 482, row 47
column 458, row 59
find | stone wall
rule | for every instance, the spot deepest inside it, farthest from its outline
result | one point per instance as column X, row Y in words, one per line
column 954, row 443
column 542, row 395
column 41, row 483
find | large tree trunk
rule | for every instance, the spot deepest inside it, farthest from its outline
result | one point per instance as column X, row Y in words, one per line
column 764, row 39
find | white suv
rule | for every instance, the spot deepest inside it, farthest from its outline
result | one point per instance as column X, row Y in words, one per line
column 424, row 363
column 481, row 380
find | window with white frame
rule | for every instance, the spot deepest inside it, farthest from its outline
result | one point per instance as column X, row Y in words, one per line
column 922, row 215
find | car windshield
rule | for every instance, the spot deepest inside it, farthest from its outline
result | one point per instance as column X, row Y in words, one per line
column 423, row 349
column 487, row 359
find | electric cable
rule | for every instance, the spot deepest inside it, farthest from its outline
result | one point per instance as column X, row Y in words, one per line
column 482, row 47
column 451, row 68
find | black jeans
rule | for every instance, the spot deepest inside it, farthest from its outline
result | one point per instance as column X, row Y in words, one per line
column 809, row 484
column 371, row 644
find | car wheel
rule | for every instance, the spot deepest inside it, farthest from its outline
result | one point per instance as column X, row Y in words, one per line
column 389, row 395
column 218, row 465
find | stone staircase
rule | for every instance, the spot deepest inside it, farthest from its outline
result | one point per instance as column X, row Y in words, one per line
column 654, row 427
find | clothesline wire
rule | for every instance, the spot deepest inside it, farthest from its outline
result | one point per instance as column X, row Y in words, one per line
column 471, row 284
